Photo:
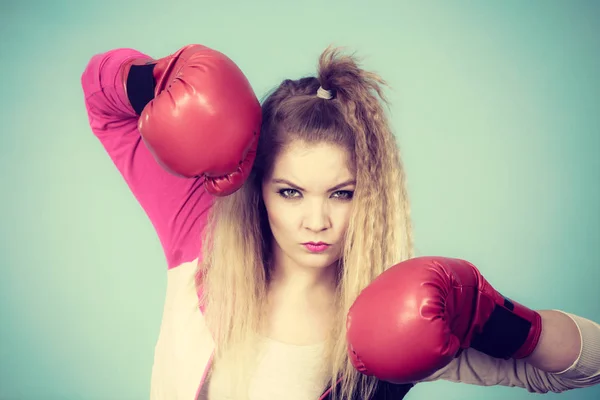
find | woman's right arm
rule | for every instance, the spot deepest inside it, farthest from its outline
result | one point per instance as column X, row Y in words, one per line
column 176, row 206
column 164, row 151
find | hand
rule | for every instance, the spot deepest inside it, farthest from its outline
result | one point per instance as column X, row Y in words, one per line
column 204, row 119
column 418, row 315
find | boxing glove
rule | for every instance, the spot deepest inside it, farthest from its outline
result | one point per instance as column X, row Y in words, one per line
column 417, row 316
column 198, row 115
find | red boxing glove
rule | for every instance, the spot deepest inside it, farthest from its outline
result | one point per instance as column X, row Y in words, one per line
column 198, row 115
column 418, row 315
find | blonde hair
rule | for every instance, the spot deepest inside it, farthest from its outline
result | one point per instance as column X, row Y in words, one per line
column 234, row 273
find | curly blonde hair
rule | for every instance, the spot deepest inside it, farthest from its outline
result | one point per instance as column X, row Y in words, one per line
column 234, row 273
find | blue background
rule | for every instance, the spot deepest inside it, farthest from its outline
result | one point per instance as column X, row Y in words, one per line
column 495, row 105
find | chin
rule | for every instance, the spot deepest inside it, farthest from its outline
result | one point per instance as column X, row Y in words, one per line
column 319, row 261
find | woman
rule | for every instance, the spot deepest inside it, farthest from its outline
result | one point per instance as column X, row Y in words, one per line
column 311, row 209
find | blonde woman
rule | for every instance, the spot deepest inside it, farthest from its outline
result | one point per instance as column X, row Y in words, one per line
column 274, row 219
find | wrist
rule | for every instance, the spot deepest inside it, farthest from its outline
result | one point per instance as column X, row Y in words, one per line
column 139, row 83
column 507, row 329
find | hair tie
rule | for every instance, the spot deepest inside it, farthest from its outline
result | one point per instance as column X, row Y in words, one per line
column 324, row 94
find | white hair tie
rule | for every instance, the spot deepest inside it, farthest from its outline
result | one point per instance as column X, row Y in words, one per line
column 324, row 94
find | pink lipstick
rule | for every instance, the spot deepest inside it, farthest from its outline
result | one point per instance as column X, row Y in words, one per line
column 316, row 247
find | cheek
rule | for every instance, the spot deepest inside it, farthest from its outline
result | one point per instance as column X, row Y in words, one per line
column 341, row 218
column 281, row 218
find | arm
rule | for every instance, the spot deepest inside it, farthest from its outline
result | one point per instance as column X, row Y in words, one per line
column 177, row 129
column 441, row 311
column 559, row 345
column 533, row 374
column 177, row 207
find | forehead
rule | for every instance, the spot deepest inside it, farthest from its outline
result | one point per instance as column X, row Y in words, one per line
column 313, row 164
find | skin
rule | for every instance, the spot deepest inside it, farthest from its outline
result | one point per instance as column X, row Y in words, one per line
column 559, row 344
column 312, row 206
column 308, row 198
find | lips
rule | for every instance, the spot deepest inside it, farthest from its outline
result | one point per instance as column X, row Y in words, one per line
column 316, row 247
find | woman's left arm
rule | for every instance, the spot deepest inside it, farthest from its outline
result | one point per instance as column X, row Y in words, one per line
column 561, row 340
column 566, row 357
column 416, row 317
column 569, row 346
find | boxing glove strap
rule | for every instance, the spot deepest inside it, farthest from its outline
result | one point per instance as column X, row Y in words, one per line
column 140, row 86
column 512, row 331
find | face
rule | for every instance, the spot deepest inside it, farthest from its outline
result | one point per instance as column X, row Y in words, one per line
column 308, row 199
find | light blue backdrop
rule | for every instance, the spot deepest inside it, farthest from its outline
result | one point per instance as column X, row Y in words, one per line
column 495, row 104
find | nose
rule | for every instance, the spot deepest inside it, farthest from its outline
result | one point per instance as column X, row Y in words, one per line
column 317, row 216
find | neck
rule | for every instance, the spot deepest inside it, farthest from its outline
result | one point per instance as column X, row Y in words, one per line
column 301, row 280
column 301, row 302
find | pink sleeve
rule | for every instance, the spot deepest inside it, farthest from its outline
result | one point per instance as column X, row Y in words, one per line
column 177, row 207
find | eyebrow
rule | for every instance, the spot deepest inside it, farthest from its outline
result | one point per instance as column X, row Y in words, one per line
column 293, row 185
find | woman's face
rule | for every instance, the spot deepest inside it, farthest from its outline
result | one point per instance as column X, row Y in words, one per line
column 308, row 199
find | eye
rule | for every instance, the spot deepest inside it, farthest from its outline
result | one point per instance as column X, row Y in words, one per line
column 289, row 193
column 344, row 194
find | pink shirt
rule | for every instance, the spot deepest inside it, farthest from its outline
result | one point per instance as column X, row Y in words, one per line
column 178, row 209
